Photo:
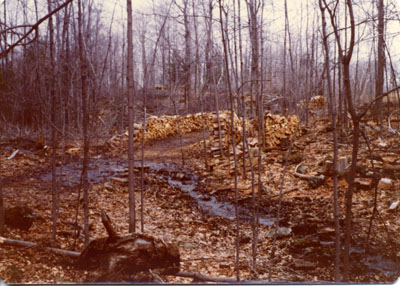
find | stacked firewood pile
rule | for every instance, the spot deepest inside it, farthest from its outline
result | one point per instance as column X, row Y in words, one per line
column 165, row 126
column 317, row 102
column 278, row 130
column 224, row 129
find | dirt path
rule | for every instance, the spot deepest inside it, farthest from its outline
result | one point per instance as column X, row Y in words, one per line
column 169, row 149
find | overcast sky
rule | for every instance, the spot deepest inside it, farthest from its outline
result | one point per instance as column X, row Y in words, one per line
column 297, row 11
column 274, row 11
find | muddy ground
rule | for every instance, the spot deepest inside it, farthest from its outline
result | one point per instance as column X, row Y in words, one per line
column 194, row 208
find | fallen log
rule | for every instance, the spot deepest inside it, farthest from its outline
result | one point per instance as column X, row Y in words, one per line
column 129, row 258
column 22, row 243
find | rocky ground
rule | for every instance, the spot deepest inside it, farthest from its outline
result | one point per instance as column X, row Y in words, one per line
column 193, row 207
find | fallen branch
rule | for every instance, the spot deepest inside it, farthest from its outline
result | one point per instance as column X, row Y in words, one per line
column 306, row 177
column 22, row 243
column 105, row 219
column 313, row 181
column 283, row 193
column 198, row 277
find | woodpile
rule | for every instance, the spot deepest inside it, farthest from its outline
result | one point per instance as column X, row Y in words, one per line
column 166, row 126
column 278, row 128
column 317, row 102
column 225, row 129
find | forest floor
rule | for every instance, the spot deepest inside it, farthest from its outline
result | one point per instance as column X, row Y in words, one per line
column 193, row 207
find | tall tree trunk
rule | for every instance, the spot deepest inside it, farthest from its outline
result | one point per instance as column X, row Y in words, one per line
column 226, row 60
column 52, row 94
column 345, row 59
column 85, row 125
column 129, row 79
column 335, row 146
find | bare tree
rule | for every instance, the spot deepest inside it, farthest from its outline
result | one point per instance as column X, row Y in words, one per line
column 233, row 137
column 345, row 55
column 129, row 79
column 335, row 144
column 52, row 95
column 85, row 124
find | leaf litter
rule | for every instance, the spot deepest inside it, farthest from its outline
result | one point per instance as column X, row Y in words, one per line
column 305, row 249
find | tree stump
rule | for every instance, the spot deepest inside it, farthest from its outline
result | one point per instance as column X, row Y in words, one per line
column 129, row 258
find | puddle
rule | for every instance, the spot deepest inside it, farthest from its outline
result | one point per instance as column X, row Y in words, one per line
column 375, row 263
column 209, row 204
column 98, row 171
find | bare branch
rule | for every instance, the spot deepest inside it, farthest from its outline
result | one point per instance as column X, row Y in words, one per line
column 34, row 28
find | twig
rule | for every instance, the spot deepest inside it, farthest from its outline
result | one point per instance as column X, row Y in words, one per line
column 375, row 210
column 283, row 193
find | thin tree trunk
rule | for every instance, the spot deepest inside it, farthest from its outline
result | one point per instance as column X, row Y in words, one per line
column 345, row 60
column 142, row 171
column 85, row 123
column 233, row 140
column 381, row 60
column 132, row 203
column 52, row 95
column 2, row 212
column 335, row 146
column 188, row 56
